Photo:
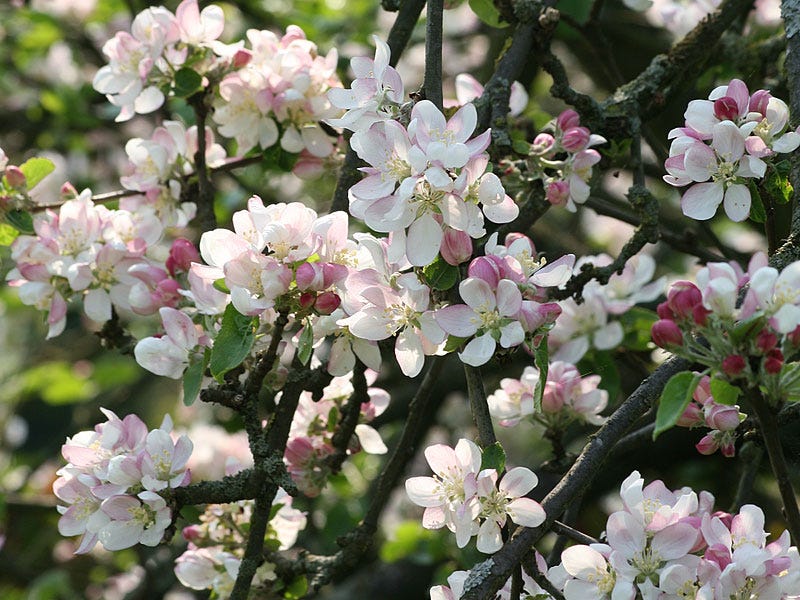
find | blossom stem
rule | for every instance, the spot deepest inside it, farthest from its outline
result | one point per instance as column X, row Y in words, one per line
column 479, row 406
column 768, row 425
column 432, row 82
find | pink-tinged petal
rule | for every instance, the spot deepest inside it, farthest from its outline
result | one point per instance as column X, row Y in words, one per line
column 578, row 589
column 740, row 94
column 431, row 116
column 788, row 142
column 786, row 318
column 526, row 512
column 441, row 458
column 555, row 273
column 148, row 100
column 477, row 294
column 518, row 482
column 463, row 123
column 674, row 541
column 489, row 538
column 409, row 353
column 513, row 334
column 625, row 533
column 423, row 241
column 430, row 328
column 434, row 518
column 219, row 246
column 370, row 440
column 120, row 508
column 699, row 162
column 97, row 305
column 160, row 356
column 369, row 326
column 583, row 562
column 609, row 336
column 118, row 535
column 182, row 452
column 509, row 298
column 372, row 188
column 479, row 143
column 179, row 327
column 468, row 455
column 700, row 117
column 737, row 202
column 728, row 141
column 467, row 88
column 478, row 351
column 751, row 166
column 701, row 200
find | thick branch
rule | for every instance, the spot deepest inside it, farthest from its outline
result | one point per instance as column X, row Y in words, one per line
column 432, row 81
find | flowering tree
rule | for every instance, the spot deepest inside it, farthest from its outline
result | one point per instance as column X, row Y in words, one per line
column 417, row 245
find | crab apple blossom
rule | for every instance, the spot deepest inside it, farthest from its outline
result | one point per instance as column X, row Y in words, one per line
column 170, row 354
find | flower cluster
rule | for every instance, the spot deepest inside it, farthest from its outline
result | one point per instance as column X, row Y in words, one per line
column 563, row 160
column 143, row 61
column 468, row 500
column 746, row 344
column 588, row 324
column 722, row 419
column 457, row 580
column 109, row 486
column 671, row 544
column 502, row 296
column 280, row 91
column 89, row 251
column 427, row 179
column 158, row 166
column 566, row 397
column 216, row 545
column 727, row 142
column 311, row 434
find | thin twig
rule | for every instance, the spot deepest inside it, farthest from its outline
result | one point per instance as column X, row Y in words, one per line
column 479, row 406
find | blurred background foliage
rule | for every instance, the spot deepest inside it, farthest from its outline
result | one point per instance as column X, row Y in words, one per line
column 49, row 51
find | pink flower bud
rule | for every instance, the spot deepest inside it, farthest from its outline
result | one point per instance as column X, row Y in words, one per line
column 766, row 340
column 759, row 101
column 683, row 297
column 700, row 315
column 542, row 144
column 666, row 333
column 665, row 312
column 719, row 554
column 333, row 273
column 720, row 416
column 68, row 192
column 191, row 533
column 181, row 256
column 575, row 139
column 533, row 315
column 456, row 247
column 707, row 446
column 692, row 416
column 557, row 192
column 727, row 448
column 733, row 365
column 794, row 336
column 15, row 177
column 485, row 268
column 307, row 300
column 327, row 302
column 568, row 118
column 725, row 109
column 774, row 362
column 309, row 276
column 241, row 58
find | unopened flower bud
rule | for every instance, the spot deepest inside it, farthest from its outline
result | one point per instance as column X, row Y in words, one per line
column 692, row 416
column 557, row 192
column 721, row 417
column 774, row 362
column 568, row 118
column 483, row 267
column 542, row 144
column 15, row 177
column 759, row 101
column 665, row 312
column 68, row 192
column 766, row 340
column 327, row 302
column 700, row 315
column 733, row 365
column 241, row 58
column 575, row 139
column 683, row 297
column 307, row 300
column 191, row 533
column 666, row 333
column 707, row 445
column 725, row 109
column 182, row 254
column 456, row 247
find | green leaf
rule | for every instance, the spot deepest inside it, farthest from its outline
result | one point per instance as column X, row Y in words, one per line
column 440, row 275
column 220, row 285
column 58, row 383
column 521, row 147
column 187, row 82
column 306, row 345
column 233, row 342
column 193, row 379
column 758, row 213
column 296, row 589
column 7, row 234
column 21, row 221
column 745, row 329
column 453, row 343
column 36, row 169
column 487, row 12
column 778, row 187
column 493, row 457
column 674, row 399
column 541, row 358
column 724, row 392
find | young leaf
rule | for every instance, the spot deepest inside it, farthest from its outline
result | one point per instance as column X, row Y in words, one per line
column 187, row 82
column 193, row 379
column 306, row 345
column 674, row 399
column 758, row 213
column 7, row 234
column 440, row 275
column 233, row 342
column 493, row 457
column 21, row 221
column 487, row 12
column 36, row 169
column 724, row 392
column 453, row 343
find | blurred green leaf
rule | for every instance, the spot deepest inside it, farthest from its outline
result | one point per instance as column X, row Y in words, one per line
column 187, row 82
column 57, row 383
column 7, row 234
